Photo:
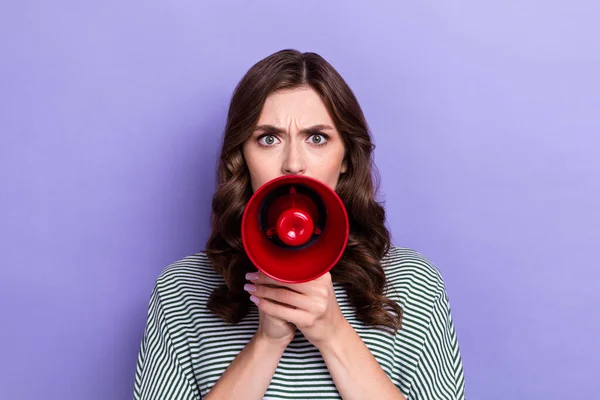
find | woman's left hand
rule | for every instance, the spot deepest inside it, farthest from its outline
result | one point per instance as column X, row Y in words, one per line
column 311, row 306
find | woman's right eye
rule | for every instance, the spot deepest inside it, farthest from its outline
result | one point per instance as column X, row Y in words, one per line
column 267, row 140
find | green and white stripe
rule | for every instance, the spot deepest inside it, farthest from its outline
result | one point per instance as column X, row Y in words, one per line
column 185, row 349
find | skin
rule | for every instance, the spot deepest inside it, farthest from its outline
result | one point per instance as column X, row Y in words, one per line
column 295, row 135
column 318, row 153
column 287, row 142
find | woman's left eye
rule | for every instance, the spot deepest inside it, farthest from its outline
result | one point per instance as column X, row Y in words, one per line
column 317, row 139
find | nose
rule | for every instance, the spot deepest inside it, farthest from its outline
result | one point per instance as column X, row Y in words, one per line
column 294, row 161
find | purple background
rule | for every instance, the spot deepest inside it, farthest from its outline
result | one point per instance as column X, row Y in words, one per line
column 486, row 116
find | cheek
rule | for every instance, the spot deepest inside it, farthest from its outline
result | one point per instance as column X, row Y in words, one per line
column 327, row 171
column 261, row 169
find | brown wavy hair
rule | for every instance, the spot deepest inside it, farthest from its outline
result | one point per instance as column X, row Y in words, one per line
column 359, row 270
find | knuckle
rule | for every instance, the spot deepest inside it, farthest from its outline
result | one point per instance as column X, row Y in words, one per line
column 265, row 291
column 321, row 308
column 285, row 296
column 322, row 292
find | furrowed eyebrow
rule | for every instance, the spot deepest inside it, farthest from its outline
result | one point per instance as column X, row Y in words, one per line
column 312, row 129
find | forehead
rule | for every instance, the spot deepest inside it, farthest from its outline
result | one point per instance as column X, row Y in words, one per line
column 301, row 104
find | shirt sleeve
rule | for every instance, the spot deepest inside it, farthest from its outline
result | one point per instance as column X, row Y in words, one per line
column 439, row 371
column 159, row 372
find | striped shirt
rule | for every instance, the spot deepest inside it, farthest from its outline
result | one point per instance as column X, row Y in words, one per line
column 185, row 348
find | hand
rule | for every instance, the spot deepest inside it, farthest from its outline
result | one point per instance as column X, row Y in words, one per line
column 312, row 306
column 274, row 330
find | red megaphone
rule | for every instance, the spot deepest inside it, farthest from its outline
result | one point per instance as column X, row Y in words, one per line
column 295, row 228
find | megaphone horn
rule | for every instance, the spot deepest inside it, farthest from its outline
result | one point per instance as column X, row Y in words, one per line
column 294, row 228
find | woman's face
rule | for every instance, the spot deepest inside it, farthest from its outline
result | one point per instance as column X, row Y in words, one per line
column 295, row 135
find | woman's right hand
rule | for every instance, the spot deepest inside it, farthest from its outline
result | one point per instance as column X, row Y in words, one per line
column 272, row 329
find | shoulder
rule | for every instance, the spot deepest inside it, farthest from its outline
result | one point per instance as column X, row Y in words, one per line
column 427, row 339
column 193, row 273
column 411, row 277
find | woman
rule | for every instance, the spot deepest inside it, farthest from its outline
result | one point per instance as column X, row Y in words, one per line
column 377, row 326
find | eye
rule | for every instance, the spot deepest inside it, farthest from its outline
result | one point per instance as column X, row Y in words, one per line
column 318, row 139
column 267, row 140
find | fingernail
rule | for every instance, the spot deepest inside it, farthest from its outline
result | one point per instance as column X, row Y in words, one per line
column 254, row 299
column 252, row 276
column 249, row 288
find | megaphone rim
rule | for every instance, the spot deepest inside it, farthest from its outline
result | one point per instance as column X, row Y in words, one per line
column 300, row 178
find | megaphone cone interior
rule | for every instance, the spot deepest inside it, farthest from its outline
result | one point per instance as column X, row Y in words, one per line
column 294, row 228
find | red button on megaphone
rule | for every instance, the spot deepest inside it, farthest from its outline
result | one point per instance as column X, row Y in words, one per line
column 295, row 228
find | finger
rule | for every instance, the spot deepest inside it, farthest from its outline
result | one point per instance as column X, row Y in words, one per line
column 303, row 288
column 283, row 296
column 263, row 279
column 297, row 317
